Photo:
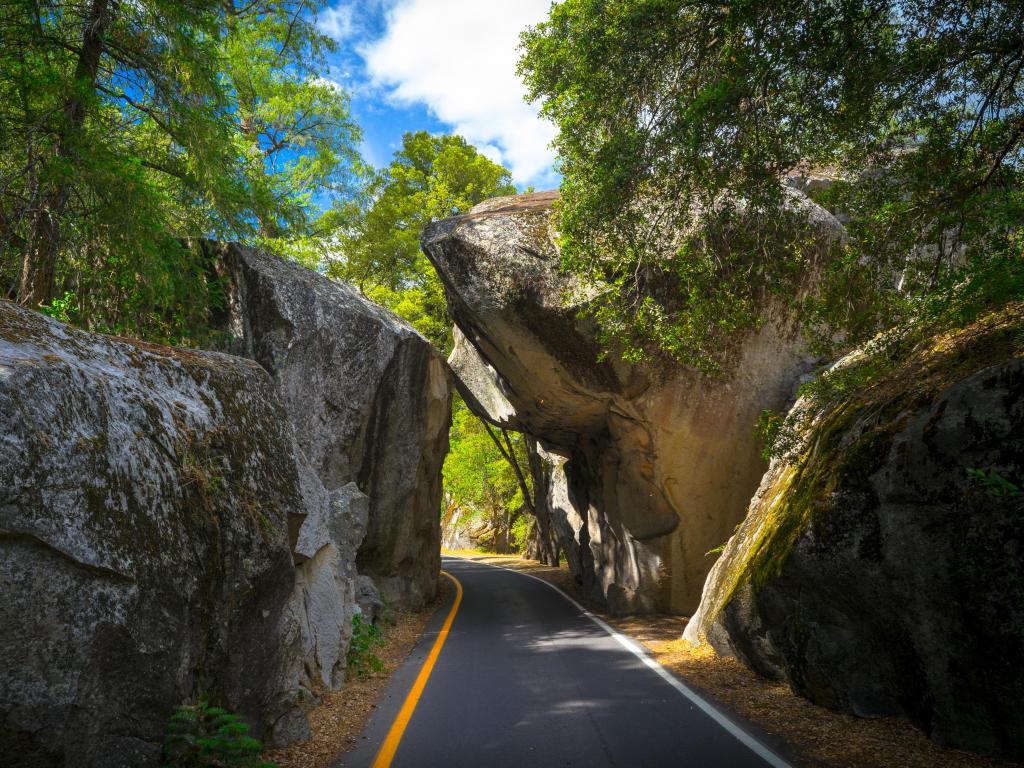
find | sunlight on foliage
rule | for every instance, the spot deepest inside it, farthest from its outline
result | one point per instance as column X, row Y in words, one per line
column 430, row 178
column 678, row 121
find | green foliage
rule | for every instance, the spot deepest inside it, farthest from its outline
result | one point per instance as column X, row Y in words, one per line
column 769, row 431
column 717, row 550
column 361, row 657
column 129, row 128
column 294, row 126
column 677, row 120
column 430, row 178
column 60, row 309
column 481, row 482
column 201, row 736
column 995, row 484
column 520, row 532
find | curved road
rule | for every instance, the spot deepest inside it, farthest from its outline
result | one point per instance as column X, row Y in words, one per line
column 526, row 679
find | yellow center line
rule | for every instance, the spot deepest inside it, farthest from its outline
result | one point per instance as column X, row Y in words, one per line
column 390, row 745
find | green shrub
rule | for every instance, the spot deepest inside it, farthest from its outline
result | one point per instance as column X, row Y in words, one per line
column 365, row 637
column 995, row 484
column 201, row 736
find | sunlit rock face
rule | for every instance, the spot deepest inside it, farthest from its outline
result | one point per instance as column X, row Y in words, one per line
column 880, row 570
column 369, row 398
column 650, row 467
column 176, row 523
column 150, row 502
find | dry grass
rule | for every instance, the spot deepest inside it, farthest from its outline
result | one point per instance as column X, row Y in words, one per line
column 816, row 736
column 337, row 722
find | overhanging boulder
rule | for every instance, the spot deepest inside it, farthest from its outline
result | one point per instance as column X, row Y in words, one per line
column 655, row 463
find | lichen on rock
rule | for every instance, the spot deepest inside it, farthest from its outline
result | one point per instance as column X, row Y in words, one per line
column 150, row 500
column 874, row 572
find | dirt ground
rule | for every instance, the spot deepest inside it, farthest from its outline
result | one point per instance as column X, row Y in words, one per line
column 337, row 722
column 816, row 736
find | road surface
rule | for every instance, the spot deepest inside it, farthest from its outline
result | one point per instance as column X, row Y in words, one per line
column 525, row 679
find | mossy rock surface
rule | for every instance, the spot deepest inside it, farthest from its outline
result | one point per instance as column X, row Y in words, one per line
column 874, row 571
column 149, row 502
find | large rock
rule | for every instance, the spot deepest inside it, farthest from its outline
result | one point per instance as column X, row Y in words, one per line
column 655, row 464
column 369, row 399
column 877, row 571
column 150, row 499
column 327, row 583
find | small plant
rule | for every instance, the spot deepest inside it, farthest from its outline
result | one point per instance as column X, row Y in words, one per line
column 768, row 431
column 995, row 484
column 365, row 637
column 201, row 736
column 61, row 309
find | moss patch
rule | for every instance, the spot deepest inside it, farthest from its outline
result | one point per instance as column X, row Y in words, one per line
column 848, row 439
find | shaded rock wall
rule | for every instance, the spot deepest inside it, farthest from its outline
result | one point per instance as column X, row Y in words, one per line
column 369, row 399
column 655, row 464
column 873, row 572
column 150, row 500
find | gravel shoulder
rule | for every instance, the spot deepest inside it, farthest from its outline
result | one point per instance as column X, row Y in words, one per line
column 337, row 721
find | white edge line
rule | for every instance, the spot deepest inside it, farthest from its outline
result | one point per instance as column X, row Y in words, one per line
column 630, row 645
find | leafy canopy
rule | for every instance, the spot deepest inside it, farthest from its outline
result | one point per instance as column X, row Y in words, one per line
column 677, row 121
column 430, row 178
column 126, row 128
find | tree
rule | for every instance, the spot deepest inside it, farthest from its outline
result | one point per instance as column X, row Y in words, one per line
column 296, row 128
column 678, row 120
column 484, row 477
column 128, row 128
column 430, row 178
column 91, row 94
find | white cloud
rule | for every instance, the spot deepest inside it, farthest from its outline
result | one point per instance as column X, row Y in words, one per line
column 336, row 21
column 327, row 83
column 458, row 57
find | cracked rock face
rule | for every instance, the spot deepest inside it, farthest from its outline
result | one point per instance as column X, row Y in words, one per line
column 649, row 468
column 877, row 575
column 326, row 579
column 370, row 402
column 150, row 499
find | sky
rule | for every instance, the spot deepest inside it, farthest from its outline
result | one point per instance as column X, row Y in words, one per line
column 443, row 66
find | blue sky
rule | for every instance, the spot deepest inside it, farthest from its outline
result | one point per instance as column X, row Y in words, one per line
column 444, row 66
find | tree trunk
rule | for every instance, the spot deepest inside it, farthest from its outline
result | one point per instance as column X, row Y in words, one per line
column 509, row 454
column 40, row 257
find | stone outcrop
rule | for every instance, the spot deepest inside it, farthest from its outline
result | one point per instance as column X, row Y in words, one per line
column 649, row 466
column 369, row 399
column 458, row 533
column 880, row 570
column 461, row 531
column 151, row 504
column 327, row 584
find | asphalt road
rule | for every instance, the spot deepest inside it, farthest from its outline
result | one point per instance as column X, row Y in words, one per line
column 527, row 680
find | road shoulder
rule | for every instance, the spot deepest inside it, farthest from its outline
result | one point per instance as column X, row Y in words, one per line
column 343, row 717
